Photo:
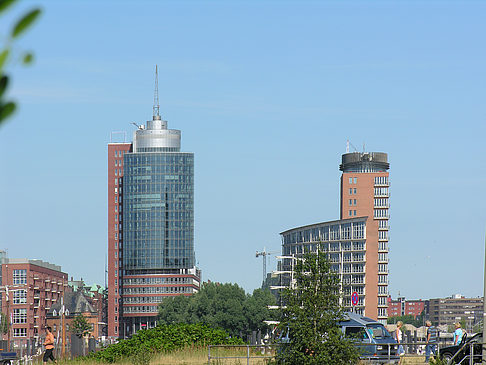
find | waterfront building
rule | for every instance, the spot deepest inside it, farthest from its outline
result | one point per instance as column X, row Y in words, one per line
column 29, row 289
column 150, row 224
column 357, row 244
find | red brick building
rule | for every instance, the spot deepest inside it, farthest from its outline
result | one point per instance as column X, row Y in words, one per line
column 29, row 289
column 365, row 193
column 403, row 307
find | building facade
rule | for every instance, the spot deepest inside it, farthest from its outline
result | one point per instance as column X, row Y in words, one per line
column 151, row 225
column 365, row 193
column 357, row 244
column 403, row 307
column 447, row 311
column 345, row 242
column 30, row 288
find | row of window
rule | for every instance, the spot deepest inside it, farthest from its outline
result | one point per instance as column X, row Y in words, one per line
column 118, row 162
column 20, row 332
column 381, row 180
column 380, row 213
column 353, row 179
column 157, row 280
column 324, row 246
column 140, row 309
column 332, row 232
column 352, row 191
column 352, row 201
column 119, row 153
column 351, row 213
column 381, row 202
column 383, row 235
column 381, row 191
column 158, row 289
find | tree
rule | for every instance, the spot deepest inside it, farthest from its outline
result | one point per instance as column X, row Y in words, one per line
column 3, row 323
column 80, row 326
column 7, row 107
column 225, row 306
column 311, row 314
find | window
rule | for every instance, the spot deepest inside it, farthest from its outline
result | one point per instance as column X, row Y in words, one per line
column 116, row 172
column 350, row 191
column 116, row 273
column 350, row 180
column 350, row 201
column 116, row 329
column 354, row 190
column 354, row 212
column 116, row 208
column 20, row 315
column 354, row 201
column 20, row 296
column 20, row 332
column 116, row 319
column 355, row 180
column 20, row 276
column 350, row 213
column 116, row 199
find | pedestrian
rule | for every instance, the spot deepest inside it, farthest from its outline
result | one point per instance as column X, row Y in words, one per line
column 49, row 344
column 431, row 340
column 458, row 333
column 399, row 337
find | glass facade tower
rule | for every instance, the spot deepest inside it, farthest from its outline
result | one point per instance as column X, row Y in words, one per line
column 150, row 225
column 158, row 212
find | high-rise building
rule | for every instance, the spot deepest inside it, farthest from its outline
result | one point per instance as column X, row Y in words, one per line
column 151, row 225
column 357, row 244
column 365, row 193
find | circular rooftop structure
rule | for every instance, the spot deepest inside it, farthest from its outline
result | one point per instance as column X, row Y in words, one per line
column 364, row 162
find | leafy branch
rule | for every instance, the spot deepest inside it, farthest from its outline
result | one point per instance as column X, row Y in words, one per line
column 8, row 107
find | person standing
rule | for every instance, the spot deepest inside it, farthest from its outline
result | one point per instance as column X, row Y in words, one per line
column 399, row 337
column 49, row 344
column 458, row 333
column 431, row 340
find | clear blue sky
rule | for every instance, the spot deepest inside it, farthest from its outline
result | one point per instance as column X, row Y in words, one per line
column 266, row 95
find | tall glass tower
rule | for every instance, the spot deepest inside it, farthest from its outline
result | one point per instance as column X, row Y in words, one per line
column 156, row 232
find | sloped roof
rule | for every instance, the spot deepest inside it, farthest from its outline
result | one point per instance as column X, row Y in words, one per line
column 75, row 303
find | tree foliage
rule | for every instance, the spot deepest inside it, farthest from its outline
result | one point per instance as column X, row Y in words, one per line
column 225, row 306
column 7, row 54
column 418, row 321
column 4, row 326
column 311, row 315
column 163, row 338
column 80, row 326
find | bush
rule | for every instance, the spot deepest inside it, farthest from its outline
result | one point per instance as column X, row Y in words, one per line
column 164, row 338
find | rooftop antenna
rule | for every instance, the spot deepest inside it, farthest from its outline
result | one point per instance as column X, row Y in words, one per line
column 348, row 143
column 156, row 107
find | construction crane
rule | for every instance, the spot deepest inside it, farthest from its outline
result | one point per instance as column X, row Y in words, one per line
column 264, row 253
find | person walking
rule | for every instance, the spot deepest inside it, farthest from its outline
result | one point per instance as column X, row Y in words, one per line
column 431, row 340
column 399, row 337
column 458, row 334
column 49, row 344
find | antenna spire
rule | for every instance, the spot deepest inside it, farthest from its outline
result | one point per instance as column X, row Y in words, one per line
column 156, row 107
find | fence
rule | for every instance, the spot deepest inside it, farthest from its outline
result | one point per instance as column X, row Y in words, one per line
column 254, row 354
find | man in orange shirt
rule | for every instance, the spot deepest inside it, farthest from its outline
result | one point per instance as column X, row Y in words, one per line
column 49, row 344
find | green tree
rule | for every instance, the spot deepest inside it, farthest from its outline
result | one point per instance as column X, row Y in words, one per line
column 311, row 315
column 225, row 306
column 8, row 54
column 3, row 323
column 80, row 326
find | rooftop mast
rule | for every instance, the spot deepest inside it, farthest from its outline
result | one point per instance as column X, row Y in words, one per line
column 156, row 107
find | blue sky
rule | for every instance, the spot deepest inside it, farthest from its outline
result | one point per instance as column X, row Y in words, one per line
column 266, row 95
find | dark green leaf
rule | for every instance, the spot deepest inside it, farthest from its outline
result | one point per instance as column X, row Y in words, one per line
column 3, row 84
column 6, row 110
column 28, row 58
column 4, row 4
column 25, row 22
column 3, row 57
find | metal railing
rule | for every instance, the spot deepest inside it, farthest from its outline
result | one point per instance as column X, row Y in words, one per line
column 260, row 352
